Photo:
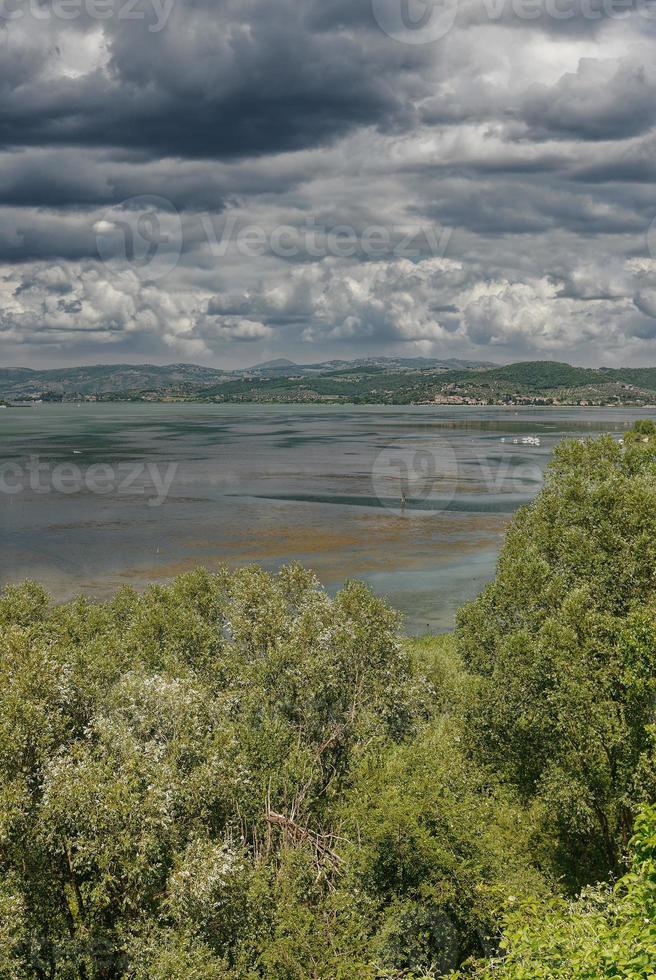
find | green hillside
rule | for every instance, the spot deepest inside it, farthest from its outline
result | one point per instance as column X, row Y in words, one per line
column 640, row 377
column 395, row 382
column 544, row 374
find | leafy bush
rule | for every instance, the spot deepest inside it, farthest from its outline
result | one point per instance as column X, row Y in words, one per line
column 642, row 431
column 604, row 933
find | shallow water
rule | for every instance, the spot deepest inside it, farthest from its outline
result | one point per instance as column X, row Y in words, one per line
column 412, row 499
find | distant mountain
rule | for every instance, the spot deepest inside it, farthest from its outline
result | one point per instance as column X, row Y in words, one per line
column 279, row 362
column 420, row 363
column 387, row 363
column 98, row 379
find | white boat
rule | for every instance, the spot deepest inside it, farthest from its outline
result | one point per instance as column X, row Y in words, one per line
column 525, row 441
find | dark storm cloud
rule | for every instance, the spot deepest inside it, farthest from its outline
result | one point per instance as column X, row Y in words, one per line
column 28, row 235
column 522, row 140
column 633, row 162
column 225, row 80
column 198, row 125
column 591, row 104
column 77, row 179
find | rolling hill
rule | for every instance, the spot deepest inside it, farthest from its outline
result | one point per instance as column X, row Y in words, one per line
column 365, row 380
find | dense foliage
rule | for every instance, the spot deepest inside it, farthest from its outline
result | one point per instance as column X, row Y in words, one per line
column 606, row 932
column 563, row 643
column 237, row 776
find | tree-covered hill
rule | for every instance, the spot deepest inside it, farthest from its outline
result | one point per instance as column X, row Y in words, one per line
column 542, row 382
column 123, row 380
column 640, row 377
column 543, row 374
column 100, row 378
column 366, row 381
column 554, row 374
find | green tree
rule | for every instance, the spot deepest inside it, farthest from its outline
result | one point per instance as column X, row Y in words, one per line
column 562, row 643
column 606, row 932
column 439, row 847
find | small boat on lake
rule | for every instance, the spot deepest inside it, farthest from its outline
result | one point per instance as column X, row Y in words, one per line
column 524, row 441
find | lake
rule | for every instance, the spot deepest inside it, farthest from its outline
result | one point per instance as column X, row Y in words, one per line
column 414, row 500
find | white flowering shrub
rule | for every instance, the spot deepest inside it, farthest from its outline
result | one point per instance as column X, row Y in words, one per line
column 147, row 743
column 235, row 776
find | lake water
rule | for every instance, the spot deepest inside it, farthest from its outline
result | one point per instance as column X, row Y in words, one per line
column 414, row 500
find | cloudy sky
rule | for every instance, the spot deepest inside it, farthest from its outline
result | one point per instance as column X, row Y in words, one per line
column 227, row 181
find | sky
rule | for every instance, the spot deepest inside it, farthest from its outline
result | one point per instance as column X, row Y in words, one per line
column 228, row 181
